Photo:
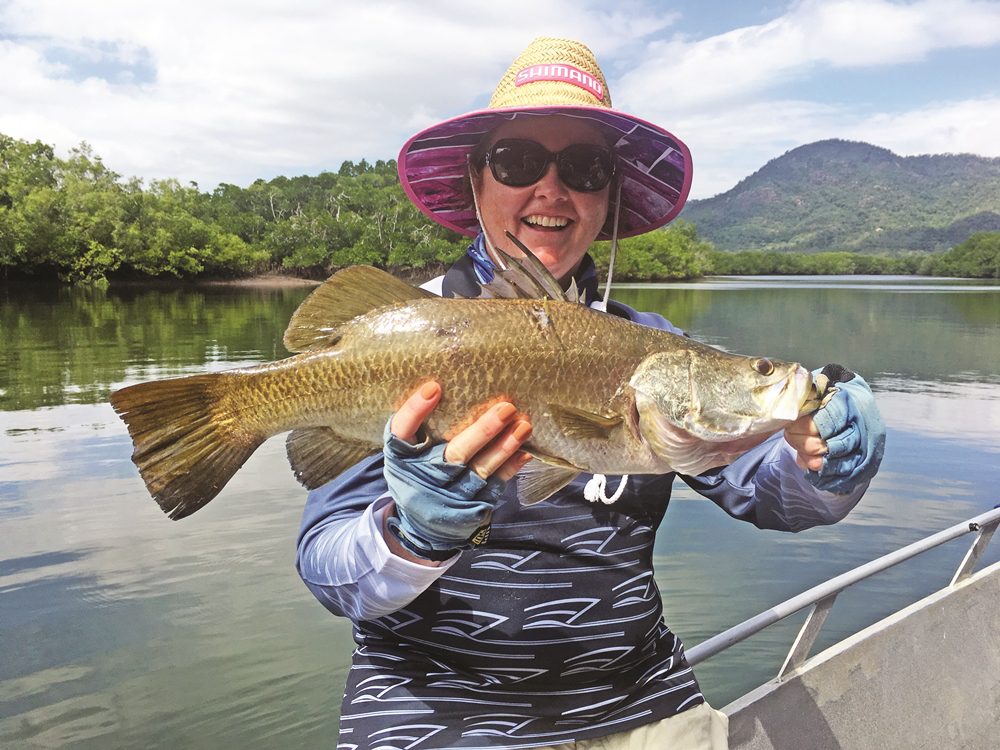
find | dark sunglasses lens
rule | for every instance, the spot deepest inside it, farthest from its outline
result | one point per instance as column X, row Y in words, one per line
column 518, row 163
column 585, row 167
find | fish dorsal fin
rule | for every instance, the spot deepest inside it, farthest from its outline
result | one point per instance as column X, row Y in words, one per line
column 532, row 265
column 318, row 454
column 573, row 292
column 583, row 425
column 344, row 296
column 517, row 280
column 525, row 277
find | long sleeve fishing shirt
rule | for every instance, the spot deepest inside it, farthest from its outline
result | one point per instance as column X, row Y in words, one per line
column 552, row 631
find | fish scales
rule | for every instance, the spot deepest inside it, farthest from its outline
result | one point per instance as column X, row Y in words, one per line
column 563, row 354
column 603, row 394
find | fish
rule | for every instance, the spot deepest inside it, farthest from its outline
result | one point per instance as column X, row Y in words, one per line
column 604, row 395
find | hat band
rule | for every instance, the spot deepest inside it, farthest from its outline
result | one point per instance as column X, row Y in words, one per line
column 564, row 73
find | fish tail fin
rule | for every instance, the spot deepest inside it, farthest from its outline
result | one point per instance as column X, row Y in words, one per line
column 186, row 447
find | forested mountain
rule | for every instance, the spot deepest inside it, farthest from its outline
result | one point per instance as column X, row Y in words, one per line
column 844, row 195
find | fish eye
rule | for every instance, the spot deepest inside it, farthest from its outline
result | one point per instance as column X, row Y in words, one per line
column 763, row 366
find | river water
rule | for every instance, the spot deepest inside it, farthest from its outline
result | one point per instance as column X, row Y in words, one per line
column 120, row 628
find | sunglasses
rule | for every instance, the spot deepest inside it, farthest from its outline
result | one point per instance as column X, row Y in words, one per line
column 518, row 162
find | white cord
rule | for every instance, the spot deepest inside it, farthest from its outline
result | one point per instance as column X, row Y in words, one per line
column 490, row 250
column 614, row 249
column 594, row 490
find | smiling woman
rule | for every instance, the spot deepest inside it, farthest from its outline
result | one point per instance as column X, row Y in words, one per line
column 482, row 618
column 557, row 222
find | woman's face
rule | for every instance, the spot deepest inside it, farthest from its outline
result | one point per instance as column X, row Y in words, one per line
column 556, row 223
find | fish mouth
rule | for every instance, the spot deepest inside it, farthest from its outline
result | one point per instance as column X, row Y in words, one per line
column 819, row 393
column 544, row 223
column 791, row 397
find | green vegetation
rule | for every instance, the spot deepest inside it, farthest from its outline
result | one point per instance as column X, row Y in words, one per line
column 758, row 263
column 977, row 258
column 675, row 252
column 77, row 220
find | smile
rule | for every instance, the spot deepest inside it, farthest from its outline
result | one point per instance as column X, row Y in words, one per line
column 547, row 222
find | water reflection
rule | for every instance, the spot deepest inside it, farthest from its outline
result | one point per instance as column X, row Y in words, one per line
column 64, row 345
column 141, row 632
column 947, row 335
column 960, row 409
column 130, row 630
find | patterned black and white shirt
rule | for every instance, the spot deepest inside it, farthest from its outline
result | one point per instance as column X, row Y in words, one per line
column 551, row 632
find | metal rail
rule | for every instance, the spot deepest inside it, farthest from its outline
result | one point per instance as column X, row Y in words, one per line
column 822, row 597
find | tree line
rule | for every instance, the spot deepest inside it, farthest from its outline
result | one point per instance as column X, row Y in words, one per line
column 75, row 218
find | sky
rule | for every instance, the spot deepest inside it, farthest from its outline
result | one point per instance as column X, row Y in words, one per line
column 218, row 91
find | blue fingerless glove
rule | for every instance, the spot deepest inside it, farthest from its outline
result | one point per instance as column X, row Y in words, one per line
column 852, row 427
column 441, row 507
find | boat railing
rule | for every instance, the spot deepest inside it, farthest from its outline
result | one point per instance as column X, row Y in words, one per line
column 822, row 596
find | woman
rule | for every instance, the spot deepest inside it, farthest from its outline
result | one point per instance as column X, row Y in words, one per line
column 482, row 623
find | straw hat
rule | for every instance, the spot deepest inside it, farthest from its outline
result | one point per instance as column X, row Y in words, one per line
column 551, row 76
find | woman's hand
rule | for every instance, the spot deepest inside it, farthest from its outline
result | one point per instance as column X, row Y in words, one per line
column 444, row 493
column 842, row 444
column 803, row 435
column 489, row 446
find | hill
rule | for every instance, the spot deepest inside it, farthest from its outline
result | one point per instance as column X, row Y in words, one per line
column 845, row 195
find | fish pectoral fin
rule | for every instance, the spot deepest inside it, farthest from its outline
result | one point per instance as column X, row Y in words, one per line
column 344, row 296
column 318, row 454
column 553, row 460
column 582, row 425
column 539, row 480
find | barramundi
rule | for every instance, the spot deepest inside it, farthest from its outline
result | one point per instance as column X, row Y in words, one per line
column 604, row 395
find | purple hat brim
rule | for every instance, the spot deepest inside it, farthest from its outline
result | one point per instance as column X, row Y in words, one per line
column 653, row 165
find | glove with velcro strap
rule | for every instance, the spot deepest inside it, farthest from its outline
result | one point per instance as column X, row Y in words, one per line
column 441, row 507
column 850, row 424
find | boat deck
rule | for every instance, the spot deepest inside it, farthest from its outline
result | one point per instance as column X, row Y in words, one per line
column 925, row 678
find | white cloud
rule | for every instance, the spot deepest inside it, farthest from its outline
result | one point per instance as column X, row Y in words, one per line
column 728, row 148
column 969, row 126
column 740, row 64
column 852, row 33
column 231, row 91
column 246, row 89
column 716, row 94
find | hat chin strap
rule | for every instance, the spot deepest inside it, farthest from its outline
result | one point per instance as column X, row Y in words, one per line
column 490, row 249
column 495, row 256
column 603, row 304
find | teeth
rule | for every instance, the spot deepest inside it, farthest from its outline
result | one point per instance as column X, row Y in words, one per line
column 547, row 221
